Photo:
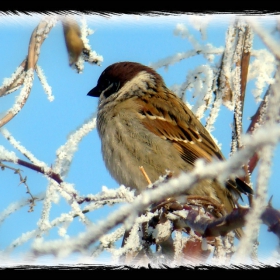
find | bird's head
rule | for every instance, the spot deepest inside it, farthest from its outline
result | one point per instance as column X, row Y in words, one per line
column 126, row 76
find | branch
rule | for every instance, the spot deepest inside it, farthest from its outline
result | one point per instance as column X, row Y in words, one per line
column 242, row 64
column 37, row 38
column 271, row 218
column 226, row 224
column 175, row 187
column 260, row 118
column 22, row 181
column 270, row 42
column 255, row 120
column 37, row 168
column 15, row 81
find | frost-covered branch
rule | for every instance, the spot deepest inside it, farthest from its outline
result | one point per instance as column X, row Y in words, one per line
column 265, row 154
column 16, row 144
column 16, row 80
column 176, row 186
column 207, row 50
column 37, row 38
column 270, row 42
column 241, row 59
column 44, row 82
column 15, row 206
column 24, row 75
column 107, row 196
column 66, row 152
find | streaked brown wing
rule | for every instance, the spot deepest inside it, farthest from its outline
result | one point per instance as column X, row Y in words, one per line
column 179, row 126
column 183, row 130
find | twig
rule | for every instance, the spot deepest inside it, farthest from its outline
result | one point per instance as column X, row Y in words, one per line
column 36, row 40
column 16, row 81
column 145, row 174
column 254, row 121
column 22, row 181
column 37, row 168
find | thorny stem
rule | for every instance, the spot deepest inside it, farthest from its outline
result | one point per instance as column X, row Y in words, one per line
column 56, row 177
column 255, row 119
column 22, row 181
column 34, row 167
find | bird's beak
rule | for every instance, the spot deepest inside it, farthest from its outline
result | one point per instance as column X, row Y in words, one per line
column 95, row 92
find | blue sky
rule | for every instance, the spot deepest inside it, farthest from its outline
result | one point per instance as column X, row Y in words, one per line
column 43, row 126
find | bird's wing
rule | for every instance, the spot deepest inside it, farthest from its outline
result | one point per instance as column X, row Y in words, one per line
column 175, row 122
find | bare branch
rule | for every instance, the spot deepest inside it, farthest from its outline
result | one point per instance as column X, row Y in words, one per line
column 22, row 181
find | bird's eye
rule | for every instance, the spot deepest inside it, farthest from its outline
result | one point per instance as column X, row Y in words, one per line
column 105, row 84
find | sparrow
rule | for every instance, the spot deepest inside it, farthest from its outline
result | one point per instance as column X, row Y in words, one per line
column 142, row 123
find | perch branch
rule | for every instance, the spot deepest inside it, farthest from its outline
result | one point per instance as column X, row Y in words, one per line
column 34, row 167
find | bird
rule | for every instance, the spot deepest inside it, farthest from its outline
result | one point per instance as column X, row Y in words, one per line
column 141, row 122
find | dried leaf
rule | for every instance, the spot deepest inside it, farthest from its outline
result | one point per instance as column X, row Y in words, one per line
column 73, row 41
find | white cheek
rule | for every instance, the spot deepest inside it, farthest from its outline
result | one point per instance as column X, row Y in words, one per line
column 139, row 82
column 103, row 99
